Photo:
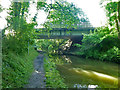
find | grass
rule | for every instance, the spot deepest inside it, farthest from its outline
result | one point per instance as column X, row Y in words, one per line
column 16, row 69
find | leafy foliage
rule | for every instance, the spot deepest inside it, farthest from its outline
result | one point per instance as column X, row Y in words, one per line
column 42, row 6
column 22, row 31
column 53, row 78
column 1, row 9
column 65, row 16
column 21, row 39
column 112, row 12
column 17, row 15
column 103, row 44
column 52, row 46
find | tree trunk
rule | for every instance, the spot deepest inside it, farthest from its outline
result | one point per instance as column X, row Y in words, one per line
column 119, row 19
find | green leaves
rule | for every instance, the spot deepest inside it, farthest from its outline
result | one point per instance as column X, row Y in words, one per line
column 77, row 45
column 1, row 8
column 42, row 5
column 103, row 44
column 65, row 15
column 112, row 12
column 51, row 46
column 17, row 14
column 53, row 78
column 111, row 7
column 23, row 31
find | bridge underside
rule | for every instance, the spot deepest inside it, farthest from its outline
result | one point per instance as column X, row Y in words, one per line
column 74, row 39
column 75, row 35
column 58, row 37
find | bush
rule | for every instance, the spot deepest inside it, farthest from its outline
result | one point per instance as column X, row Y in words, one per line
column 103, row 44
column 51, row 46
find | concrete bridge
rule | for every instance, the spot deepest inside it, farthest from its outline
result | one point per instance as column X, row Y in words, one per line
column 62, row 33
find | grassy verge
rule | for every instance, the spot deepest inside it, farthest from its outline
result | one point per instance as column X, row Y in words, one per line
column 16, row 69
column 53, row 78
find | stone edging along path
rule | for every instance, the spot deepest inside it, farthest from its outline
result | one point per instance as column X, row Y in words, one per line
column 38, row 76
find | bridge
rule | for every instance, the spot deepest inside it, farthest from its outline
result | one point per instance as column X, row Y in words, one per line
column 62, row 33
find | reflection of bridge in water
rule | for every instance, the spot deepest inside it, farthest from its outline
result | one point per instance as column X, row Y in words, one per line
column 62, row 33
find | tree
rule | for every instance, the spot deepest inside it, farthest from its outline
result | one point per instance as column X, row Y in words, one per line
column 65, row 15
column 113, row 14
column 17, row 14
column 22, row 31
column 119, row 18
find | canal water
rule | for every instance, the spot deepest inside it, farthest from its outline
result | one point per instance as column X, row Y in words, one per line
column 79, row 72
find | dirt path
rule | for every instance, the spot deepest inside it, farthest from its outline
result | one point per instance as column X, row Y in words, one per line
column 38, row 76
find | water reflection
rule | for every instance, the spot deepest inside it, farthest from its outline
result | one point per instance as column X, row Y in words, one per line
column 85, row 86
column 67, row 59
column 82, row 73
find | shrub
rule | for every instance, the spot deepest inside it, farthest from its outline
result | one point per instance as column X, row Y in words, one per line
column 103, row 44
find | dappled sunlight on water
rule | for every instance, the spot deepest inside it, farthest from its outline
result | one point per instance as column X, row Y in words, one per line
column 98, row 76
column 81, row 73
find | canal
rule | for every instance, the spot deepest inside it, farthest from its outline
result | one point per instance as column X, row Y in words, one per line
column 79, row 72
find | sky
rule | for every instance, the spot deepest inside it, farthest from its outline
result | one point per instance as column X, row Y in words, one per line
column 3, row 22
column 91, row 8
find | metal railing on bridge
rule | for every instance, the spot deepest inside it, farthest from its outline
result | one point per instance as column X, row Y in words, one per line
column 58, row 33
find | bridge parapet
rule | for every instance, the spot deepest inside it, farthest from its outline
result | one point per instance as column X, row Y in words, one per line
column 62, row 32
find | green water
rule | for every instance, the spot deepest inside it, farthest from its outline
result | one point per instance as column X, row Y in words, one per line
column 82, row 73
